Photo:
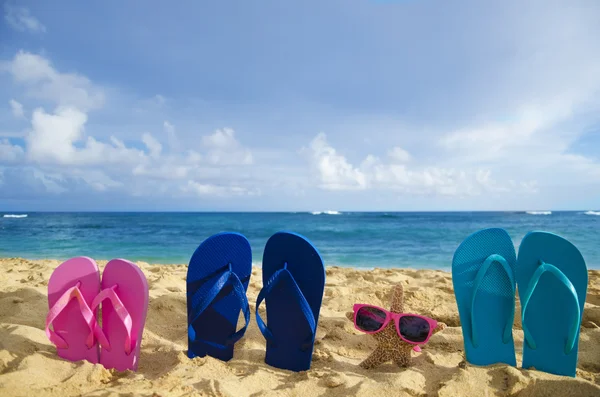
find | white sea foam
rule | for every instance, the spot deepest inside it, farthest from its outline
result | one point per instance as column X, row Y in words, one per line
column 15, row 215
column 597, row 213
column 326, row 212
column 539, row 212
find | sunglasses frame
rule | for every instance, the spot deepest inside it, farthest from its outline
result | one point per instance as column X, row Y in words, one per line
column 389, row 316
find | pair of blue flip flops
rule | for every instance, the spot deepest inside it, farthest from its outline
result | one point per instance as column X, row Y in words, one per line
column 551, row 277
column 293, row 284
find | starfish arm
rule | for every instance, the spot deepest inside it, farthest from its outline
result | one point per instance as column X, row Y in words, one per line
column 397, row 299
column 350, row 316
column 402, row 359
column 378, row 357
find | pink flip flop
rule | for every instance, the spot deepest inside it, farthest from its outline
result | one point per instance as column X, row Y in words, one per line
column 124, row 299
column 71, row 290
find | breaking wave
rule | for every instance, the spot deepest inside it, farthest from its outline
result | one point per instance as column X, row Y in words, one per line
column 326, row 213
column 15, row 215
column 539, row 212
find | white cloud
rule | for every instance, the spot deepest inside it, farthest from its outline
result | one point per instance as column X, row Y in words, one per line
column 214, row 190
column 96, row 179
column 432, row 180
column 193, row 157
column 53, row 136
column 17, row 109
column 174, row 143
column 173, row 167
column 399, row 155
column 535, row 141
column 57, row 145
column 531, row 125
column 333, row 169
column 10, row 153
column 165, row 171
column 42, row 81
column 335, row 172
column 57, row 139
column 224, row 149
column 20, row 19
column 153, row 145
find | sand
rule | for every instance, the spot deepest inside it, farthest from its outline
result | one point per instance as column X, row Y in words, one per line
column 29, row 365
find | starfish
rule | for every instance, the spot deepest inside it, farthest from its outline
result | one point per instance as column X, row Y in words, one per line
column 390, row 347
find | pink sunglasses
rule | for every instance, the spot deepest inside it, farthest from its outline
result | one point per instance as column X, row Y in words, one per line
column 411, row 328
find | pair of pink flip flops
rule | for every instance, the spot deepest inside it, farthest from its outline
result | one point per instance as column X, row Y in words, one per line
column 75, row 292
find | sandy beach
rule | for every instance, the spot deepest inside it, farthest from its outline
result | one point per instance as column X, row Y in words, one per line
column 29, row 365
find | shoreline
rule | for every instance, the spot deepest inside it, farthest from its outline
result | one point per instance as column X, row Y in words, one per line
column 257, row 264
column 28, row 358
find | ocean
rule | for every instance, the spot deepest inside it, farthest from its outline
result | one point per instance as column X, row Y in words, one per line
column 351, row 239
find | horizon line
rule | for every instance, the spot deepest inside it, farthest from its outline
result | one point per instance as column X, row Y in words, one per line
column 285, row 212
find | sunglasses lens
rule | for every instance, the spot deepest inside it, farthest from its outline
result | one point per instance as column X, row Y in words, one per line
column 370, row 319
column 414, row 329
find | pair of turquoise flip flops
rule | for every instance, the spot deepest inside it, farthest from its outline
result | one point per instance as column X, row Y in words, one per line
column 551, row 277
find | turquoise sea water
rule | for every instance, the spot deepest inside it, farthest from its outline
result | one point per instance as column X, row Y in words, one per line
column 367, row 239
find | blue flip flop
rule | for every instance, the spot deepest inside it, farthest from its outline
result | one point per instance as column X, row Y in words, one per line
column 293, row 285
column 552, row 279
column 217, row 281
column 484, row 285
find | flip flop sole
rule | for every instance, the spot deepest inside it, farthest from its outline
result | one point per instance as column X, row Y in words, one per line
column 551, row 309
column 220, row 318
column 70, row 324
column 132, row 290
column 285, row 318
column 492, row 309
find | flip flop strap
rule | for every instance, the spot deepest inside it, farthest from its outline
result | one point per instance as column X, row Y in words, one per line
column 122, row 314
column 533, row 283
column 305, row 307
column 492, row 259
column 60, row 305
column 210, row 290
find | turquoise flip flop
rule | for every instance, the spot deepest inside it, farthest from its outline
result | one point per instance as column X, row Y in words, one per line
column 552, row 279
column 484, row 285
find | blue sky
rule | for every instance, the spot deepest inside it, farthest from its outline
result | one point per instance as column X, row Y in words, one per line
column 312, row 105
